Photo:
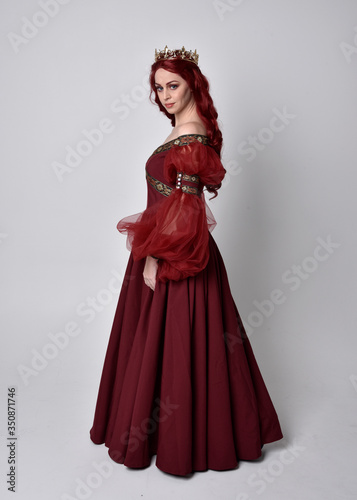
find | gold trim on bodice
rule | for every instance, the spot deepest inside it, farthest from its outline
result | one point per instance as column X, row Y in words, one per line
column 161, row 187
column 158, row 185
column 182, row 140
column 166, row 190
column 190, row 178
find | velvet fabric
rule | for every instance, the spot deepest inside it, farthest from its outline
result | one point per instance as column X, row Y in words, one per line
column 180, row 380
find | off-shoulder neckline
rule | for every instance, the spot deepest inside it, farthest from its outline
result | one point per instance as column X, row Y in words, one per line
column 179, row 141
column 183, row 135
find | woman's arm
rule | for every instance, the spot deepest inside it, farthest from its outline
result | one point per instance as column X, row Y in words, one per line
column 176, row 229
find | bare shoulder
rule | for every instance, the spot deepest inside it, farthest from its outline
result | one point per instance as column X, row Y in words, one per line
column 191, row 128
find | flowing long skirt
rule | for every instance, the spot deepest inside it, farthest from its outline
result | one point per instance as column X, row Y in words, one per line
column 180, row 379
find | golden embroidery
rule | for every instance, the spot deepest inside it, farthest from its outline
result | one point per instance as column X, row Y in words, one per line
column 190, row 190
column 183, row 140
column 181, row 176
column 190, row 178
column 158, row 185
column 166, row 190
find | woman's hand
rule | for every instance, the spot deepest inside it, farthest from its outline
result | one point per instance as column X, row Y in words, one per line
column 150, row 271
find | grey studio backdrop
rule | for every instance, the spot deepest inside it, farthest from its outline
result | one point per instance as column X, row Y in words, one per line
column 77, row 128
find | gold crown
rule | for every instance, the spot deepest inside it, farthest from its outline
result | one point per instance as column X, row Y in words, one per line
column 187, row 55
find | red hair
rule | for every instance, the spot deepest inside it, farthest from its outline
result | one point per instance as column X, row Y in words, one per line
column 199, row 86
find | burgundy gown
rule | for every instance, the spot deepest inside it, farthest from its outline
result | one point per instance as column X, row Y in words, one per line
column 180, row 379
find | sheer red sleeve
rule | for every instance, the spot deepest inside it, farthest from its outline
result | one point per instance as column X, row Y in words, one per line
column 176, row 229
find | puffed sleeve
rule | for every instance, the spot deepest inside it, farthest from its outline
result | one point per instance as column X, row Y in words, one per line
column 176, row 229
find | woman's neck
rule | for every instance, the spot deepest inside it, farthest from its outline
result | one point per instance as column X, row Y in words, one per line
column 189, row 114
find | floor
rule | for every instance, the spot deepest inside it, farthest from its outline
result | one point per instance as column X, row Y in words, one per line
column 56, row 460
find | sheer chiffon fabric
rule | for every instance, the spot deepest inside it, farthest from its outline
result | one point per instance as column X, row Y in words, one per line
column 180, row 379
column 175, row 228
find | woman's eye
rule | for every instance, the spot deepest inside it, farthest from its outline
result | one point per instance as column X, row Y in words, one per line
column 172, row 87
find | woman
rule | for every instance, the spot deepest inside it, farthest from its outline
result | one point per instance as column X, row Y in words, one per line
column 180, row 379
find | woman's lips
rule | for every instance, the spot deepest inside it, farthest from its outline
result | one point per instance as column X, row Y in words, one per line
column 169, row 105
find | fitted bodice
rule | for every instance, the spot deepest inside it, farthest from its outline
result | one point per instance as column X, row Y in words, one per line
column 155, row 166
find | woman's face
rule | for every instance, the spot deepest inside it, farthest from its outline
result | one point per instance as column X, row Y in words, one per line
column 173, row 91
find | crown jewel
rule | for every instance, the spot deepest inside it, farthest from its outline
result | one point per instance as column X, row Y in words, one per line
column 187, row 55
